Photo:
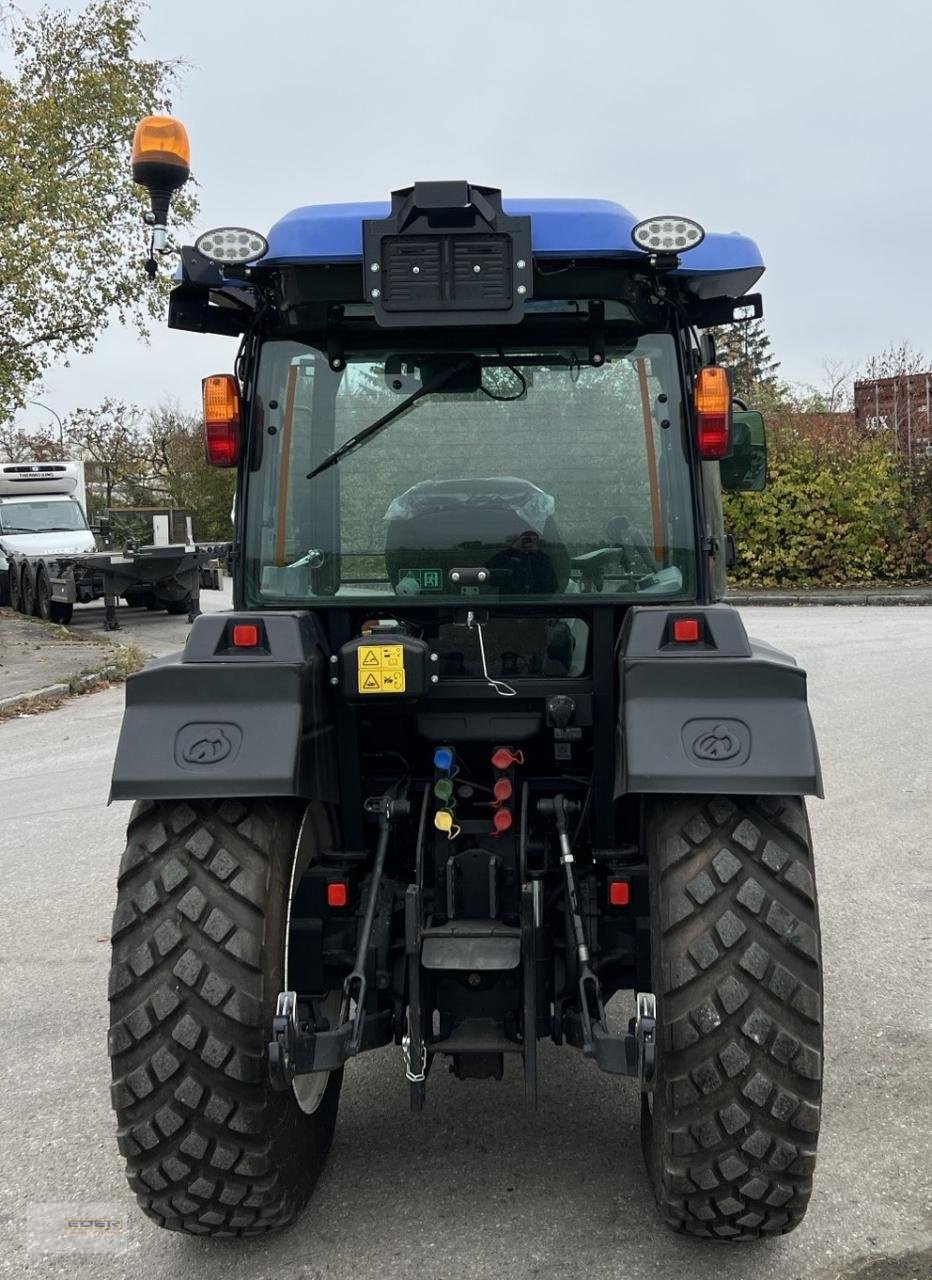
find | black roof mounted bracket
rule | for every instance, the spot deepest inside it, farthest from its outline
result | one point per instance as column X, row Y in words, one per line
column 447, row 254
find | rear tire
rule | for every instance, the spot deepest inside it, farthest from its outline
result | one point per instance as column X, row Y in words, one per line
column 27, row 589
column 13, row 579
column 198, row 962
column 61, row 612
column 43, row 594
column 178, row 606
column 730, row 1130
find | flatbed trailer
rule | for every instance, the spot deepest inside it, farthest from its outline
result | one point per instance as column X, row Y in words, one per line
column 166, row 578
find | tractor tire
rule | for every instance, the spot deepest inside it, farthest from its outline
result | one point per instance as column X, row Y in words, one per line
column 177, row 607
column 198, row 962
column 13, row 581
column 43, row 594
column 27, row 589
column 5, row 587
column 729, row 1132
column 61, row 612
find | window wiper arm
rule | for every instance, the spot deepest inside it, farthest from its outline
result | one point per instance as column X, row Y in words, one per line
column 373, row 429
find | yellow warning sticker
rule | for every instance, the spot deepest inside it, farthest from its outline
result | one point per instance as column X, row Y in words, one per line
column 381, row 668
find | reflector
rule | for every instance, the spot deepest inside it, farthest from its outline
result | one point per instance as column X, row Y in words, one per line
column 668, row 233
column 619, row 893
column 231, row 244
column 337, row 894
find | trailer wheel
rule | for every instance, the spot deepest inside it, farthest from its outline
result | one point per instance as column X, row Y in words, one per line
column 43, row 593
column 178, row 606
column 27, row 589
column 729, row 1132
column 61, row 612
column 5, row 576
column 198, row 962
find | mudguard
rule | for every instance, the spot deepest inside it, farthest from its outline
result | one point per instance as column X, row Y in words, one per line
column 721, row 713
column 220, row 719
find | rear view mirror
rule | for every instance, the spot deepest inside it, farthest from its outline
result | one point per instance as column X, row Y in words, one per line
column 456, row 372
column 746, row 469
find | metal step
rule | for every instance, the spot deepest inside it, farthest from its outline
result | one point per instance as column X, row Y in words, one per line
column 476, row 1035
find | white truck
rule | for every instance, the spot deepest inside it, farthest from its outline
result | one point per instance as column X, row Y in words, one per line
column 42, row 513
column 49, row 560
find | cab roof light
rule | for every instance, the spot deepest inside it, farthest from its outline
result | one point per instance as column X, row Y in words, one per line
column 161, row 163
column 668, row 233
column 231, row 244
column 221, row 420
column 713, row 413
column 162, row 140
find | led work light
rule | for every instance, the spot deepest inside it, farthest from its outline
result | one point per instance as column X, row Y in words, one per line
column 668, row 234
column 231, row 244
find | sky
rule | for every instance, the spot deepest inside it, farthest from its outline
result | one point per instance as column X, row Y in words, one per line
column 804, row 125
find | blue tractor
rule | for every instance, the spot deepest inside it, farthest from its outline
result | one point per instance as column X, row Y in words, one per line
column 480, row 757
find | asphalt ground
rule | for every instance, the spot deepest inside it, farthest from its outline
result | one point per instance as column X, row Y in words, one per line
column 477, row 1187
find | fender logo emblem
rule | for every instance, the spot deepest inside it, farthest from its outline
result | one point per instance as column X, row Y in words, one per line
column 210, row 749
column 717, row 744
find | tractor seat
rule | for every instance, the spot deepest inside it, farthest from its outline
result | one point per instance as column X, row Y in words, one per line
column 439, row 525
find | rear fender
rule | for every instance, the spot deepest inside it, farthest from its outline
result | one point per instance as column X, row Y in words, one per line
column 217, row 721
column 725, row 714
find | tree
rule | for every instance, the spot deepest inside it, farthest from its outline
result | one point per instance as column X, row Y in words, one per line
column 896, row 360
column 109, row 440
column 744, row 348
column 835, row 393
column 182, row 476
column 72, row 239
column 28, row 446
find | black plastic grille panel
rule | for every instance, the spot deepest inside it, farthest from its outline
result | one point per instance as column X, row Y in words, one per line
column 447, row 272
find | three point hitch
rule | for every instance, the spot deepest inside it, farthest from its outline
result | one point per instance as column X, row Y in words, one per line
column 632, row 1054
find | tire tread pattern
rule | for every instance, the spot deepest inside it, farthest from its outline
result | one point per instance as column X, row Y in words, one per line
column 210, row 1148
column 737, row 969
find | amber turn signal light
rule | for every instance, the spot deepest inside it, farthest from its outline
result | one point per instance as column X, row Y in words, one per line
column 221, row 420
column 713, row 413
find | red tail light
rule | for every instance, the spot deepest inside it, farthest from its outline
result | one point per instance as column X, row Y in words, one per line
column 686, row 630
column 222, row 433
column 245, row 635
column 713, row 413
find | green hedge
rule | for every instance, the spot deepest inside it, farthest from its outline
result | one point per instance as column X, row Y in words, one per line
column 839, row 508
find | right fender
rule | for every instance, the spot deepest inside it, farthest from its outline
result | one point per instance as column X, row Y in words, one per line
column 725, row 716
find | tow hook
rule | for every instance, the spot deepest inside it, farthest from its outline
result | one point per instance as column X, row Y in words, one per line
column 282, row 1045
column 645, row 1033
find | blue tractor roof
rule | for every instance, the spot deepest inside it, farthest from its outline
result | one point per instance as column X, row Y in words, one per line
column 726, row 265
